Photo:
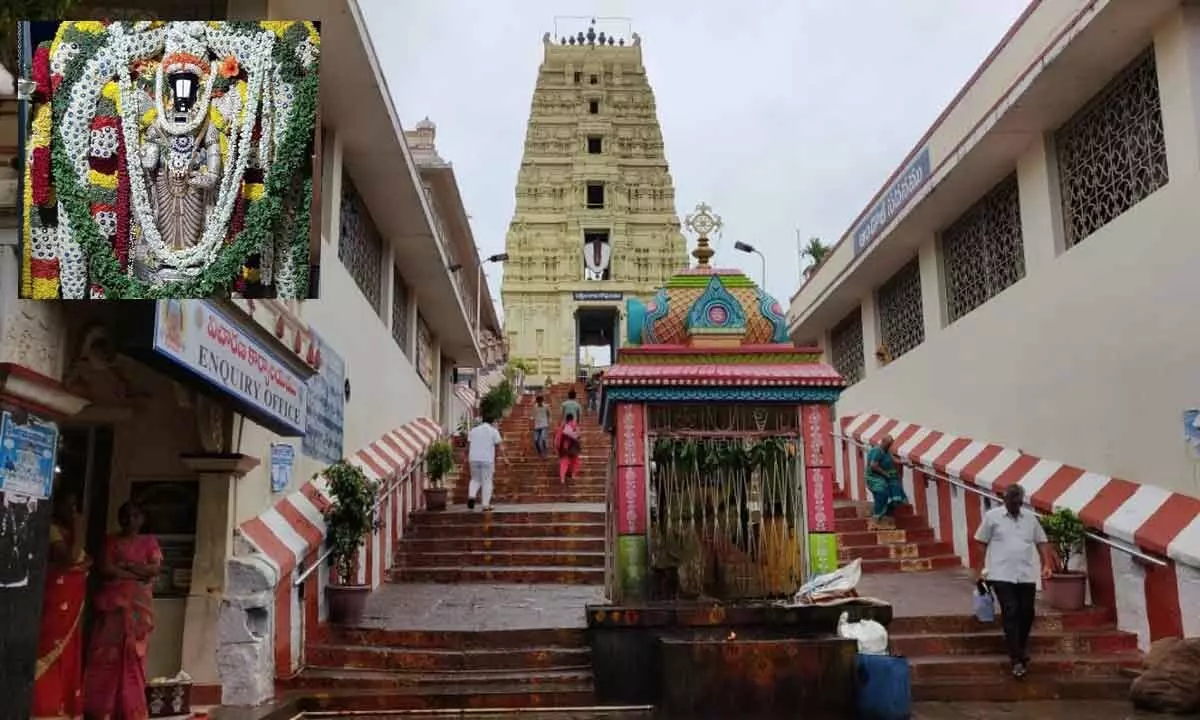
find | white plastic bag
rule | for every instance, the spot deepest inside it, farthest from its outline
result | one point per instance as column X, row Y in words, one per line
column 839, row 583
column 871, row 636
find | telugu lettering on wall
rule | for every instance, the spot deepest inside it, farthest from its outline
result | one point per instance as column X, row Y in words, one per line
column 204, row 340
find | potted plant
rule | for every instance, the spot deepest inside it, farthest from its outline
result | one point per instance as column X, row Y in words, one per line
column 460, row 433
column 439, row 461
column 1065, row 589
column 348, row 522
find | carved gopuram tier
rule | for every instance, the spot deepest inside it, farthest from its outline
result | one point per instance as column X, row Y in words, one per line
column 595, row 220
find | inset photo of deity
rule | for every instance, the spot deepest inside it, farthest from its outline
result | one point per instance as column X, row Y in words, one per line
column 169, row 160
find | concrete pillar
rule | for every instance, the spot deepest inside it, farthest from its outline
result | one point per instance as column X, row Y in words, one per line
column 933, row 305
column 870, row 333
column 1041, row 205
column 1177, row 55
column 215, row 522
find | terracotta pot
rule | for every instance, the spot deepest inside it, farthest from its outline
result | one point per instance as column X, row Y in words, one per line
column 346, row 603
column 1065, row 591
column 435, row 498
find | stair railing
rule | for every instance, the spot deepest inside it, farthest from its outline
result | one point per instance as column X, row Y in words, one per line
column 386, row 492
column 929, row 471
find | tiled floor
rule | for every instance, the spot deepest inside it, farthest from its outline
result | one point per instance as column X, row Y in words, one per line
column 433, row 606
column 918, row 594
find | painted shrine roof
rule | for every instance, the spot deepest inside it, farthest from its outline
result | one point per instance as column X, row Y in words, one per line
column 712, row 374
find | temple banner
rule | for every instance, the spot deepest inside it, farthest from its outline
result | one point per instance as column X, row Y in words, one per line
column 818, row 488
column 822, row 553
column 817, row 429
column 631, row 500
column 631, row 434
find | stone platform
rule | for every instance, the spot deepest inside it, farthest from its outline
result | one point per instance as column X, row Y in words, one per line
column 767, row 657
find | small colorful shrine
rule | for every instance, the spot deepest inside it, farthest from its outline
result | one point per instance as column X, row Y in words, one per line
column 724, row 455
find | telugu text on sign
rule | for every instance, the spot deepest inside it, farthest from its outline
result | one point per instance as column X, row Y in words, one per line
column 202, row 339
column 631, row 500
column 817, row 431
column 818, row 484
column 631, row 434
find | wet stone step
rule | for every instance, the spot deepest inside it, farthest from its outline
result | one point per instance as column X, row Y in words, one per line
column 505, row 544
column 456, row 640
column 1006, row 689
column 511, row 517
column 1060, row 667
column 429, row 659
column 316, row 678
column 505, row 530
column 992, row 643
column 894, row 551
column 531, row 575
column 918, row 564
column 419, row 558
column 861, row 524
column 1045, row 621
column 884, row 537
column 558, row 695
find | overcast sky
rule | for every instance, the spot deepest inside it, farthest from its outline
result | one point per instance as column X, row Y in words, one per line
column 783, row 115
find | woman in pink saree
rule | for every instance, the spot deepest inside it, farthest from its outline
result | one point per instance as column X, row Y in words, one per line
column 115, row 679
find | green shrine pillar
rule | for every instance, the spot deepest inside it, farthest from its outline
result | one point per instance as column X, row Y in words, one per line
column 632, row 557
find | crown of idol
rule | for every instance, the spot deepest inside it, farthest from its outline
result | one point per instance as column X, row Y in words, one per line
column 186, row 48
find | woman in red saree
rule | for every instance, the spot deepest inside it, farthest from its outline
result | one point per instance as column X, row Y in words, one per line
column 58, row 679
column 115, row 681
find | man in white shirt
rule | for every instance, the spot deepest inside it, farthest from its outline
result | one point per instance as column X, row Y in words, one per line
column 484, row 442
column 1010, row 534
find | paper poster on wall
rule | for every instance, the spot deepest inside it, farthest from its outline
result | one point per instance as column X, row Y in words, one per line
column 283, row 457
column 27, row 455
column 1191, row 430
column 822, row 553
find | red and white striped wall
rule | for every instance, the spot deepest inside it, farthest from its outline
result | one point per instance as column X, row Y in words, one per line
column 465, row 394
column 1153, row 601
column 290, row 534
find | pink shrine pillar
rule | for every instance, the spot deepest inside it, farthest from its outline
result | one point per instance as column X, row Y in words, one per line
column 817, row 433
column 631, row 508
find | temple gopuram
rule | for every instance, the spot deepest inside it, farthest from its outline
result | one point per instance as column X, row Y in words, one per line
column 595, row 221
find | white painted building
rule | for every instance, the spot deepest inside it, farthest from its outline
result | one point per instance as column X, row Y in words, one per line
column 1020, row 287
column 376, row 355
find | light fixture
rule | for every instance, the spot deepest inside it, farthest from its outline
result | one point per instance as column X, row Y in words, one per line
column 751, row 250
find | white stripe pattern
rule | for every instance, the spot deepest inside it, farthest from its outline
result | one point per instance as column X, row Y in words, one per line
column 955, row 467
column 987, row 476
column 1135, row 511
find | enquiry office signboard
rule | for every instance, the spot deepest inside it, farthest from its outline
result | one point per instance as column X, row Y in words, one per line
column 204, row 341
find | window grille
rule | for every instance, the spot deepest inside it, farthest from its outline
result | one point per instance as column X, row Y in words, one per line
column 359, row 246
column 983, row 252
column 1112, row 153
column 901, row 313
column 846, row 347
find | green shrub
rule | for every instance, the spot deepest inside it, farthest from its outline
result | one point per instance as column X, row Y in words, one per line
column 1066, row 532
column 439, row 462
column 350, row 518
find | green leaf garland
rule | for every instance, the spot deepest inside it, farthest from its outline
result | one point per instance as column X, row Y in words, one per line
column 262, row 217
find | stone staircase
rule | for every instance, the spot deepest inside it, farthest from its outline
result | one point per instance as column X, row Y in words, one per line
column 541, row 530
column 397, row 670
column 955, row 658
column 524, row 567
column 906, row 545
column 509, row 545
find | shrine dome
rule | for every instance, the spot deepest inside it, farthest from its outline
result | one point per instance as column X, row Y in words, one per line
column 704, row 305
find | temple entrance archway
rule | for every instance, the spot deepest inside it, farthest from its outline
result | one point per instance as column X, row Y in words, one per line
column 596, row 331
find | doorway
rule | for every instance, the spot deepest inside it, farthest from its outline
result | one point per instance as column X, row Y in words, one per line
column 84, row 470
column 596, row 331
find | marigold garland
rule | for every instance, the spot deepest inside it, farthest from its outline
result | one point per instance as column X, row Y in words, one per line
column 107, row 261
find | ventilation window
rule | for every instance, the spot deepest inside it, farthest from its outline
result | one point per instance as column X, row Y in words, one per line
column 594, row 79
column 578, row 77
column 593, row 107
column 595, row 196
column 595, row 145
